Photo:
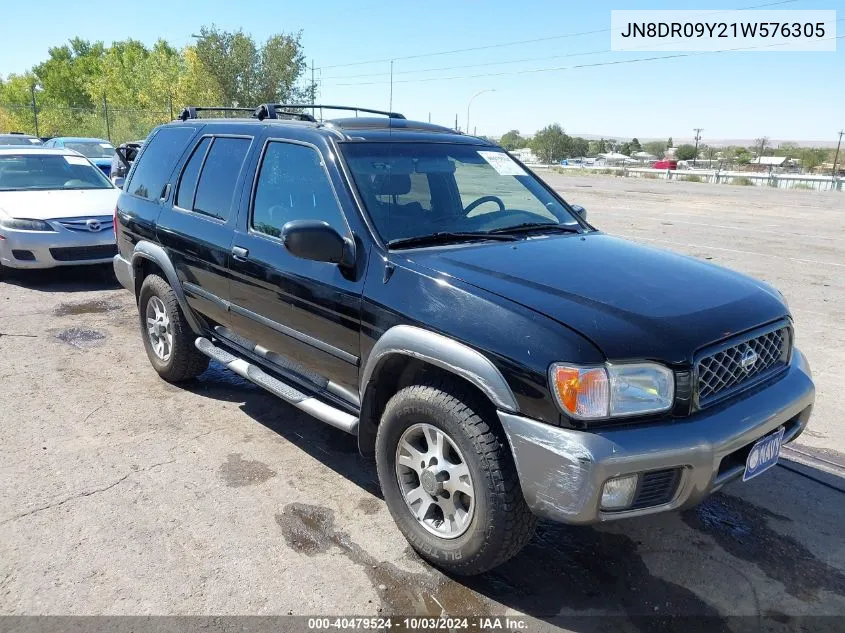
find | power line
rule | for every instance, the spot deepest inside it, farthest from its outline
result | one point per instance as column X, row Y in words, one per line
column 521, row 42
column 577, row 66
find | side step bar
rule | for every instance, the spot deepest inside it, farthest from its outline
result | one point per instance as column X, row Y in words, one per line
column 310, row 405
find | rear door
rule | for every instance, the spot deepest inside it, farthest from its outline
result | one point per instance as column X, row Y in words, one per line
column 196, row 229
column 307, row 312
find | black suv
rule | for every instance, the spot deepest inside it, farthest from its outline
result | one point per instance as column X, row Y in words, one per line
column 498, row 356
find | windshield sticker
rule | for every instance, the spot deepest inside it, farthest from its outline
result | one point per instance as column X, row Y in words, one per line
column 502, row 163
column 76, row 160
column 106, row 146
column 35, row 140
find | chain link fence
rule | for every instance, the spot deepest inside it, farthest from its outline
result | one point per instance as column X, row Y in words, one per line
column 116, row 124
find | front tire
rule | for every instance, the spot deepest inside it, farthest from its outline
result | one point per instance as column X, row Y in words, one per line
column 449, row 479
column 167, row 336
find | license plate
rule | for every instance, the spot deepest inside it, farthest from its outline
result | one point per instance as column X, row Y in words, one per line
column 763, row 455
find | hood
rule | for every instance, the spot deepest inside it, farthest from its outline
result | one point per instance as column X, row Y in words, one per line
column 630, row 300
column 46, row 205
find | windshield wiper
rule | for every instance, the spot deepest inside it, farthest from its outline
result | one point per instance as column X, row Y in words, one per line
column 528, row 227
column 444, row 237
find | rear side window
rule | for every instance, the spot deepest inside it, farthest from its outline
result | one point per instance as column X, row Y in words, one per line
column 190, row 175
column 293, row 185
column 216, row 185
column 152, row 169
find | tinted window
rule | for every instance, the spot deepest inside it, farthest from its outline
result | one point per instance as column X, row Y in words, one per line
column 293, row 185
column 152, row 170
column 219, row 175
column 188, row 182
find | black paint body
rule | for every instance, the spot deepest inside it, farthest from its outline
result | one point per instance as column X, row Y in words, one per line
column 582, row 298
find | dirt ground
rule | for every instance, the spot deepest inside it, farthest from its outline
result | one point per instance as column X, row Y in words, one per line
column 122, row 494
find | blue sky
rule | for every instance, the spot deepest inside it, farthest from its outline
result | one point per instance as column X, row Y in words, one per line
column 783, row 95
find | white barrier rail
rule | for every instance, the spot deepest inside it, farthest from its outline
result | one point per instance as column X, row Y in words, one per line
column 775, row 180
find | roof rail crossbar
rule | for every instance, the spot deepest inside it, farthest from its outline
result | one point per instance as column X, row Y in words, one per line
column 272, row 111
column 282, row 106
column 190, row 112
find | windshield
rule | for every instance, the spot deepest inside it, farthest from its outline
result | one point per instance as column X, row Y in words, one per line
column 417, row 189
column 19, row 139
column 25, row 172
column 91, row 149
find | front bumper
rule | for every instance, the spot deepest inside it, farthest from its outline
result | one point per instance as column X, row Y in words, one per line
column 562, row 471
column 61, row 247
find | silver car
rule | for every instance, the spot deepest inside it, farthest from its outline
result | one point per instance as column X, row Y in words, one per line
column 56, row 209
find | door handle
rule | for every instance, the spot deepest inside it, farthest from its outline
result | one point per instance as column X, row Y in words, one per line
column 240, row 253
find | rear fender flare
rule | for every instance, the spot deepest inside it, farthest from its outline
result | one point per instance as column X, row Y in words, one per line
column 155, row 253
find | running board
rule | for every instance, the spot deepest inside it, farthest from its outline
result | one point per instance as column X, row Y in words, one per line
column 310, row 405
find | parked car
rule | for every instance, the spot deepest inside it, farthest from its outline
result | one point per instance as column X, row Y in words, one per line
column 19, row 138
column 498, row 356
column 99, row 151
column 56, row 209
column 665, row 164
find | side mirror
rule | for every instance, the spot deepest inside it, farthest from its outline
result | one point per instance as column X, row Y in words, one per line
column 118, row 181
column 581, row 211
column 317, row 241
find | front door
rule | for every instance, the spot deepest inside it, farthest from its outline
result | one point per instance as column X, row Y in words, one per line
column 307, row 312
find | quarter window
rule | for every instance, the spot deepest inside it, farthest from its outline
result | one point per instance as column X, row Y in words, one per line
column 216, row 186
column 293, row 185
column 152, row 170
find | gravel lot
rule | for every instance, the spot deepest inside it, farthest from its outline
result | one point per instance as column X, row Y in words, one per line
column 122, row 494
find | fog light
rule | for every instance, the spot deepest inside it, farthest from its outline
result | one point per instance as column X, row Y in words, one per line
column 618, row 493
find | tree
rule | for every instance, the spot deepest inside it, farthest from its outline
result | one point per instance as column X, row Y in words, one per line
column 579, row 146
column 655, row 148
column 248, row 74
column 597, row 147
column 635, row 145
column 669, row 143
column 761, row 143
column 685, row 152
column 512, row 140
column 550, row 144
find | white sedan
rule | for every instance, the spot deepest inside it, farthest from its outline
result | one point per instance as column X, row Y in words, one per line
column 56, row 209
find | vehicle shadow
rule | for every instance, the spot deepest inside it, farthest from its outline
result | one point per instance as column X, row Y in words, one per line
column 710, row 568
column 63, row 278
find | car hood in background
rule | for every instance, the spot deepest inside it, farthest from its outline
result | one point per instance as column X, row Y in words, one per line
column 70, row 203
column 632, row 301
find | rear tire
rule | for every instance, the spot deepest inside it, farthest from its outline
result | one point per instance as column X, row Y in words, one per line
column 168, row 338
column 500, row 524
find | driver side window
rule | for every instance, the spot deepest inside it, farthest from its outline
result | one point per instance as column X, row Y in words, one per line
column 293, row 185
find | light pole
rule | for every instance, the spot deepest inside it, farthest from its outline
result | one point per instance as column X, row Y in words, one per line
column 480, row 92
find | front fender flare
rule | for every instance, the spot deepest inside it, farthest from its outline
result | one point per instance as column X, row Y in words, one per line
column 445, row 353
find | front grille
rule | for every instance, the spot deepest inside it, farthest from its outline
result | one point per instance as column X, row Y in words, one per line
column 82, row 253
column 656, row 488
column 94, row 224
column 742, row 364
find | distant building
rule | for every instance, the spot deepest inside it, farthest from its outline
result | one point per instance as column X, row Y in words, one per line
column 774, row 163
column 525, row 155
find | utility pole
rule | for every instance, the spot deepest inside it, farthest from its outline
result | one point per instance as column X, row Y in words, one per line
column 34, row 109
column 170, row 103
column 835, row 156
column 456, row 123
column 106, row 115
column 390, row 109
column 313, row 87
column 697, row 139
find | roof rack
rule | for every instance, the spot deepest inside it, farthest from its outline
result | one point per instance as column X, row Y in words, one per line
column 190, row 112
column 272, row 110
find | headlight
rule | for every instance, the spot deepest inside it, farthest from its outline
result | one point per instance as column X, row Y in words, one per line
column 612, row 390
column 25, row 225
